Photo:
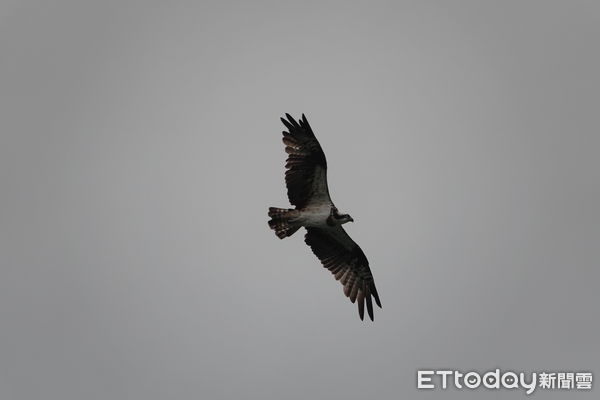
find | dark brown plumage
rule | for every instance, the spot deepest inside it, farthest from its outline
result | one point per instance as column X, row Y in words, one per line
column 307, row 189
column 305, row 163
column 347, row 262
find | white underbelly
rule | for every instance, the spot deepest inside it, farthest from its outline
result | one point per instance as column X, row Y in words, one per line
column 315, row 217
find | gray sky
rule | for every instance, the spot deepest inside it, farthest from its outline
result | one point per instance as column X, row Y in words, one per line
column 140, row 149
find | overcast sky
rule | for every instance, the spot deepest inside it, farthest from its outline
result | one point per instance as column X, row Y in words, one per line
column 140, row 147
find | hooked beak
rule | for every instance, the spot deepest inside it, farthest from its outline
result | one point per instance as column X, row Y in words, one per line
column 351, row 219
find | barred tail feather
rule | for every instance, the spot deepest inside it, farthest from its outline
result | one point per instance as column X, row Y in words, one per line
column 281, row 221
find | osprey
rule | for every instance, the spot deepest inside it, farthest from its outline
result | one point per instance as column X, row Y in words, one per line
column 306, row 181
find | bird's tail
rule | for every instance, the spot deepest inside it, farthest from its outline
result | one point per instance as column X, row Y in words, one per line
column 282, row 221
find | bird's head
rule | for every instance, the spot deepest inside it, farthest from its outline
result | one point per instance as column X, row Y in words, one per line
column 346, row 218
column 342, row 218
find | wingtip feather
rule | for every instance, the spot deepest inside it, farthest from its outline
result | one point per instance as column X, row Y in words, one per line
column 361, row 305
column 292, row 121
column 287, row 124
column 369, row 303
column 376, row 295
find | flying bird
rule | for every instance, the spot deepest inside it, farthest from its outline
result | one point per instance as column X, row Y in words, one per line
column 306, row 181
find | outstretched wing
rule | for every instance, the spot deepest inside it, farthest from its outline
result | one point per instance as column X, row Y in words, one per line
column 347, row 262
column 306, row 174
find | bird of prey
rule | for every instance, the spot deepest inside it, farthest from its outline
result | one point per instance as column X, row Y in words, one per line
column 306, row 181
